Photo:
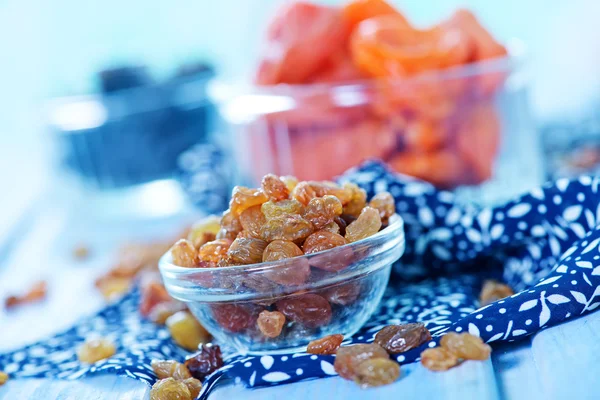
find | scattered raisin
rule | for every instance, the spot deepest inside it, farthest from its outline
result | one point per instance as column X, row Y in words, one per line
column 184, row 254
column 194, row 386
column 466, row 346
column 230, row 226
column 385, row 204
column 322, row 240
column 232, row 317
column 367, row 224
column 290, row 227
column 204, row 231
column 274, row 188
column 243, row 198
column 215, row 251
column 170, row 389
column 186, row 331
column 344, row 294
column 358, row 199
column 438, row 359
column 252, row 220
column 112, row 287
column 153, row 293
column 493, row 291
column 3, row 378
column 310, row 310
column 376, row 372
column 93, row 350
column 35, row 293
column 305, row 191
column 290, row 182
column 160, row 312
column 348, row 358
column 206, row 361
column 281, row 208
column 322, row 210
column 270, row 323
column 81, row 252
column 170, row 369
column 400, row 338
column 247, row 250
column 325, row 345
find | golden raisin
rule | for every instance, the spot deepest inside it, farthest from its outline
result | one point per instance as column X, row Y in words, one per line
column 215, row 251
column 204, row 362
column 493, row 291
column 252, row 220
column 230, row 226
column 322, row 240
column 93, row 350
column 305, row 191
column 184, row 254
column 112, row 287
column 332, row 227
column 322, row 210
column 246, row 250
column 204, row 231
column 81, row 252
column 186, row 331
column 35, row 293
column 400, row 338
column 290, row 182
column 325, row 345
column 281, row 249
column 358, row 199
column 194, row 386
column 274, row 188
column 270, row 323
column 281, row 208
column 438, row 359
column 466, row 346
column 170, row 369
column 160, row 312
column 3, row 378
column 367, row 224
column 243, row 198
column 153, row 293
column 170, row 389
column 385, row 204
column 376, row 372
column 291, row 227
column 348, row 358
column 294, row 273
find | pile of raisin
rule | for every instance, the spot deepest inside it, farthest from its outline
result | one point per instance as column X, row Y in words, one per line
column 455, row 347
column 96, row 349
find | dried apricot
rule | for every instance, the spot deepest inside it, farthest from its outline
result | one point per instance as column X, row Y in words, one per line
column 170, row 369
column 348, row 358
column 274, row 188
column 376, row 372
column 326, row 345
column 438, row 359
column 466, row 346
column 400, row 338
column 247, row 250
column 270, row 323
column 243, row 198
column 170, row 389
column 184, row 254
column 493, row 291
column 186, row 331
column 322, row 210
column 95, row 349
column 206, row 361
column 367, row 224
column 310, row 310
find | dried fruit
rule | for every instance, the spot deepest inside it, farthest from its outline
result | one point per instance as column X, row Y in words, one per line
column 385, row 204
column 35, row 293
column 493, row 291
column 305, row 191
column 215, row 251
column 81, row 252
column 400, row 338
column 246, row 250
column 281, row 208
column 270, row 323
column 204, row 231
column 322, row 240
column 230, row 226
column 274, row 188
column 112, row 287
column 348, row 358
column 376, row 372
column 232, row 317
column 95, row 349
column 184, row 254
column 310, row 310
column 160, row 312
column 342, row 224
column 206, row 361
column 243, row 198
column 252, row 220
column 281, row 249
column 153, row 293
column 438, row 359
column 3, row 378
column 322, row 210
column 290, row 182
column 194, row 386
column 466, row 346
column 170, row 369
column 326, row 345
column 170, row 389
column 344, row 294
column 332, row 227
column 358, row 199
column 367, row 224
column 186, row 331
column 290, row 227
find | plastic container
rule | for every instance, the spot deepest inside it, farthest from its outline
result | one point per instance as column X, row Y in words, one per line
column 334, row 291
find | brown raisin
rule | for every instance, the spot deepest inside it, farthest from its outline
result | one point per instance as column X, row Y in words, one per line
column 291, row 227
column 206, row 361
column 281, row 208
column 367, row 224
column 243, row 198
column 305, row 191
column 325, row 345
column 493, row 291
column 3, row 378
column 274, row 188
column 331, row 261
column 348, row 358
column 341, row 223
column 93, row 350
column 270, row 323
column 358, row 199
column 466, row 346
column 246, row 250
column 322, row 240
column 170, row 389
column 252, row 220
column 215, row 251
column 290, row 182
column 438, row 359
column 186, row 331
column 344, row 294
column 230, row 226
column 295, row 272
column 322, row 210
column 160, row 312
column 400, row 338
column 204, row 231
column 376, row 372
column 385, row 204
column 184, row 254
column 232, row 317
column 170, row 369
column 310, row 310
column 194, row 386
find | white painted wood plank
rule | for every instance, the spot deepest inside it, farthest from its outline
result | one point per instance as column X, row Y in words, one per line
column 516, row 374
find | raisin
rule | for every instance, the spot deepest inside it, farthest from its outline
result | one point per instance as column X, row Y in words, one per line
column 348, row 358
column 259, row 283
column 230, row 226
column 293, row 272
column 281, row 249
column 232, row 317
column 332, row 261
column 399, row 338
column 186, row 331
column 153, row 293
column 322, row 240
column 290, row 182
column 344, row 294
column 270, row 323
column 322, row 210
column 170, row 369
column 385, row 204
column 204, row 231
column 35, row 293
column 215, row 251
column 281, row 208
column 493, row 291
column 325, row 345
column 332, row 227
column 170, row 389
column 466, row 346
column 194, row 386
column 93, row 350
column 206, row 361
column 184, row 254
column 112, row 287
column 246, row 250
column 358, row 199
column 376, row 372
column 341, row 223
column 305, row 191
column 160, row 312
column 310, row 310
column 252, row 220
column 243, row 198
column 274, row 188
column 81, row 252
column 438, row 359
column 367, row 224
column 3, row 378
column 290, row 227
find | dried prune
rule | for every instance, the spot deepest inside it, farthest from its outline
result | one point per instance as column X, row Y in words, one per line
column 160, row 312
column 206, row 361
column 153, row 293
column 399, row 338
column 466, row 346
column 184, row 254
column 274, row 188
column 290, row 227
column 290, row 182
column 232, row 317
column 230, row 226
column 438, row 359
column 194, row 386
column 358, row 199
column 270, row 323
column 310, row 310
column 376, row 372
column 243, row 198
column 325, row 345
column 281, row 208
column 204, row 231
column 367, row 224
column 186, row 331
column 246, row 250
column 322, row 240
column 170, row 389
column 348, row 358
column 305, row 191
column 3, row 378
column 252, row 220
column 493, row 291
column 322, row 210
column 170, row 369
column 385, row 204
column 96, row 349
column 344, row 294
column 215, row 251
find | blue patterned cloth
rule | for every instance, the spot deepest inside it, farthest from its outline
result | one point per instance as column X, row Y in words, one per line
column 545, row 244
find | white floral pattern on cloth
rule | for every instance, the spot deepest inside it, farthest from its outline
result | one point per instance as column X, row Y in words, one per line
column 546, row 244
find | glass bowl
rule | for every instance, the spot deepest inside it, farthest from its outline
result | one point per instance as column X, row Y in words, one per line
column 333, row 291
